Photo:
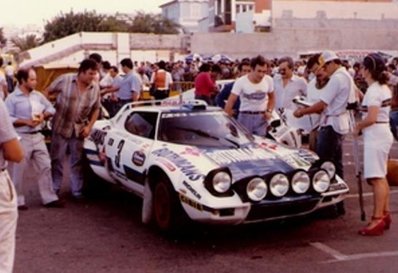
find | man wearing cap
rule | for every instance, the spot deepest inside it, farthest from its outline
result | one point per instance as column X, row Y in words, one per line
column 335, row 121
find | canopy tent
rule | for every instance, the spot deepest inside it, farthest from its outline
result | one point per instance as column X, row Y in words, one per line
column 221, row 58
column 193, row 57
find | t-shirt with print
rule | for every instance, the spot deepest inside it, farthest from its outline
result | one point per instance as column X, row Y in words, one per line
column 253, row 96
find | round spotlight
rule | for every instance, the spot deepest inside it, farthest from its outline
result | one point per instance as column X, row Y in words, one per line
column 221, row 182
column 321, row 181
column 279, row 185
column 301, row 182
column 256, row 189
column 329, row 167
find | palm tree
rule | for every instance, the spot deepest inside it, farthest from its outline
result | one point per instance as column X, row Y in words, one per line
column 25, row 43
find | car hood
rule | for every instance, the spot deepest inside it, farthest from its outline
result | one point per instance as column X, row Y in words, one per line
column 247, row 161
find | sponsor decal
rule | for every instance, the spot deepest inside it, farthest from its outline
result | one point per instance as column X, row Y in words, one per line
column 225, row 157
column 191, row 151
column 191, row 202
column 98, row 136
column 111, row 141
column 266, row 145
column 192, row 190
column 186, row 167
column 139, row 158
column 167, row 164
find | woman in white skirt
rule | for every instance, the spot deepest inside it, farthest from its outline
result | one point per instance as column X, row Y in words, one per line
column 377, row 139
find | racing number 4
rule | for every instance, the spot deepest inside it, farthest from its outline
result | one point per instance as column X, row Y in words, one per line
column 119, row 150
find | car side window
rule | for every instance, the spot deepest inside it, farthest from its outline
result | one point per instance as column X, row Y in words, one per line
column 142, row 124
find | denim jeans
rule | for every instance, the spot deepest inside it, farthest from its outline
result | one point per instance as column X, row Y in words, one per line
column 394, row 123
column 330, row 147
column 59, row 148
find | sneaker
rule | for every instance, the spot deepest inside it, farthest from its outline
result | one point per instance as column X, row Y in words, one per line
column 55, row 204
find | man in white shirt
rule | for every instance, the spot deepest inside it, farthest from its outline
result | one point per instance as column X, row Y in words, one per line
column 287, row 85
column 333, row 102
column 335, row 121
column 256, row 93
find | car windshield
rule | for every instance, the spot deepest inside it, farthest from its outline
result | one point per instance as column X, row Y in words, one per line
column 207, row 128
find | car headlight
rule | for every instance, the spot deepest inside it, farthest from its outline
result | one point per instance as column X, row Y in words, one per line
column 329, row 167
column 321, row 181
column 279, row 185
column 221, row 182
column 301, row 182
column 256, row 189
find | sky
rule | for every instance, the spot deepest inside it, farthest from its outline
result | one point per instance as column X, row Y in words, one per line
column 24, row 12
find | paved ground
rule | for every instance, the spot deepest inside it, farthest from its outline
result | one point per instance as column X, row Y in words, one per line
column 106, row 235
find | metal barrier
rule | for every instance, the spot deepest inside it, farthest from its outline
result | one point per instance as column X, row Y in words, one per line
column 175, row 89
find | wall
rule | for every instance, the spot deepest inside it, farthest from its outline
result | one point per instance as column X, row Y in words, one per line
column 289, row 41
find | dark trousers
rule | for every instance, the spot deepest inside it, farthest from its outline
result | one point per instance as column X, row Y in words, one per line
column 161, row 94
column 330, row 147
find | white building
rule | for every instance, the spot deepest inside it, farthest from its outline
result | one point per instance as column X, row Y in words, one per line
column 187, row 13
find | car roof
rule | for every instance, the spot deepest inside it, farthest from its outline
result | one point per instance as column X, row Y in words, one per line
column 174, row 106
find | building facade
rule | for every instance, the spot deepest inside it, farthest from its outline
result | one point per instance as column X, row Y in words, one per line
column 187, row 13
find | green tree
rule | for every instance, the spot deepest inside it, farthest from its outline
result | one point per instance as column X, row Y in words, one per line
column 3, row 39
column 70, row 23
column 25, row 43
column 153, row 23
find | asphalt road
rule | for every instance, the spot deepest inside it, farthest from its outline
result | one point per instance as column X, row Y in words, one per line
column 106, row 235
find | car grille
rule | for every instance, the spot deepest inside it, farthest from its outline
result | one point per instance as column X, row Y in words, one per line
column 272, row 209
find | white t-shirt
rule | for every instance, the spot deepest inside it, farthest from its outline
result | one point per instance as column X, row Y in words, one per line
column 284, row 95
column 336, row 96
column 253, row 96
column 374, row 96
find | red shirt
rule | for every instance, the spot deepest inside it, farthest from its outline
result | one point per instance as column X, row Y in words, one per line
column 204, row 85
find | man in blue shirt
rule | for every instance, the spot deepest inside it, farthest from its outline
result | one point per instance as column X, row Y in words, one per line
column 128, row 88
column 28, row 109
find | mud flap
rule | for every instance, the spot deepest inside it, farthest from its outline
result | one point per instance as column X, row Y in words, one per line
column 147, row 206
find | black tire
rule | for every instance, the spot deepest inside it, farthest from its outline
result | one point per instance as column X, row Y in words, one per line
column 169, row 216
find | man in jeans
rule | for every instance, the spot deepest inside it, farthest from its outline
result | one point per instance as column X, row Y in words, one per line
column 335, row 121
column 11, row 150
column 77, row 108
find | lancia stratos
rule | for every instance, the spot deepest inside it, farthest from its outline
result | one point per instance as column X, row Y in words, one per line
column 191, row 162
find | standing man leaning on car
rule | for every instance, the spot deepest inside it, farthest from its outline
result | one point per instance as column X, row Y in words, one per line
column 335, row 120
column 257, row 99
column 28, row 109
column 77, row 108
column 11, row 150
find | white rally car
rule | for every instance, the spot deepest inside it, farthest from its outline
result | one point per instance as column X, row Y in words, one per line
column 191, row 161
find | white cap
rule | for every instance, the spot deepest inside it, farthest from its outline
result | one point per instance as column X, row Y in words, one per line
column 327, row 56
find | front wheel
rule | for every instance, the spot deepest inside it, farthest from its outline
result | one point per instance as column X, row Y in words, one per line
column 169, row 215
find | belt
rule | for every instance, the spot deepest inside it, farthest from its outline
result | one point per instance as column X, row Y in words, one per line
column 252, row 112
column 122, row 100
column 382, row 122
column 30, row 133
